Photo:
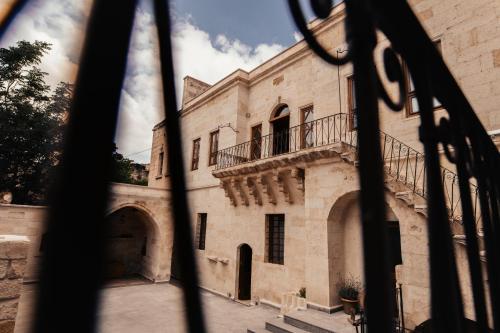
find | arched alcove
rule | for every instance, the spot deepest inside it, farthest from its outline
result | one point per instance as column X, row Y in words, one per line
column 345, row 242
column 131, row 243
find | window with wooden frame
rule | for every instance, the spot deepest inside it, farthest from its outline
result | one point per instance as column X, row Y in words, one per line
column 196, row 154
column 412, row 107
column 214, row 147
column 256, row 142
column 160, row 163
column 201, row 231
column 275, row 238
column 351, row 103
column 307, row 126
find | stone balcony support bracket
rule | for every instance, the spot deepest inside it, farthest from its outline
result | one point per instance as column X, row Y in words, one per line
column 264, row 182
column 253, row 189
column 265, row 179
column 239, row 185
column 280, row 178
column 229, row 192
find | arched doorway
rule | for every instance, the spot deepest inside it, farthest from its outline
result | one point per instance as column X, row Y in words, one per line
column 345, row 243
column 129, row 244
column 280, row 122
column 244, row 288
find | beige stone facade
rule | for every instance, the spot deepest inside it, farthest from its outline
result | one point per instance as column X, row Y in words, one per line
column 316, row 188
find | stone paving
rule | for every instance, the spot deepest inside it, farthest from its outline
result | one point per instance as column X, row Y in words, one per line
column 155, row 308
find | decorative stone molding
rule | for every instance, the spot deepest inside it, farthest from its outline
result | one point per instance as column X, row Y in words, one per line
column 13, row 258
column 265, row 184
column 280, row 179
column 229, row 193
column 254, row 190
column 290, row 160
column 212, row 259
column 298, row 175
column 406, row 196
column 237, row 184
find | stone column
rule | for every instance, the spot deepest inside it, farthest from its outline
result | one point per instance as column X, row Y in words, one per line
column 13, row 258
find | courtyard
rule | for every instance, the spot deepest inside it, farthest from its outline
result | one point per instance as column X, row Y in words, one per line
column 137, row 307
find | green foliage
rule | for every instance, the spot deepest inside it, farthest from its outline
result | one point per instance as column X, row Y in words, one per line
column 31, row 125
column 121, row 168
column 31, row 122
column 350, row 288
column 142, row 182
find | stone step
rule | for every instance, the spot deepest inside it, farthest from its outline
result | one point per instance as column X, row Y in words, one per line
column 319, row 322
column 257, row 330
column 406, row 196
column 461, row 239
column 421, row 209
column 279, row 326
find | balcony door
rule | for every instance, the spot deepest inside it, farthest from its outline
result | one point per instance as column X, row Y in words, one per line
column 256, row 143
column 280, row 123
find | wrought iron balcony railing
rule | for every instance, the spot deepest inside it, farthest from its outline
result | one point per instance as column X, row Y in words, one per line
column 401, row 162
column 324, row 131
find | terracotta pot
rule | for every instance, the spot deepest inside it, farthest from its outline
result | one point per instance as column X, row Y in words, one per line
column 350, row 305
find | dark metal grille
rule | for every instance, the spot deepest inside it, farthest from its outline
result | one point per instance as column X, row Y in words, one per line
column 351, row 100
column 79, row 224
column 256, row 143
column 201, row 231
column 195, row 158
column 307, row 115
column 214, row 146
column 276, row 238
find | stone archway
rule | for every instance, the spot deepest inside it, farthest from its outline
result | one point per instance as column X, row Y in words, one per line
column 345, row 244
column 132, row 247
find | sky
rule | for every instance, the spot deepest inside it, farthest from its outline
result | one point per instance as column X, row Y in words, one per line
column 210, row 38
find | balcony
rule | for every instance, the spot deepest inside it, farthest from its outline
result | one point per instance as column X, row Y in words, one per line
column 304, row 137
column 270, row 168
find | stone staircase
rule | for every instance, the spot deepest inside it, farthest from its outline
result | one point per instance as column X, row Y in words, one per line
column 413, row 197
column 307, row 321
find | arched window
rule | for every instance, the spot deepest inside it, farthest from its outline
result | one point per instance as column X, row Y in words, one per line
column 283, row 111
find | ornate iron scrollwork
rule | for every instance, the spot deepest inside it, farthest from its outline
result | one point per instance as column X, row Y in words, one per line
column 464, row 140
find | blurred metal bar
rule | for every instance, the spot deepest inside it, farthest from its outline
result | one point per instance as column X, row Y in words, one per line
column 72, row 269
column 179, row 206
column 15, row 9
column 379, row 289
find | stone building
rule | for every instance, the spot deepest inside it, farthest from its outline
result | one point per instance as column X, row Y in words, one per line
column 140, row 172
column 271, row 168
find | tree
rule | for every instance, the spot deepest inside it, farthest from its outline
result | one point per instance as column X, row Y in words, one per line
column 30, row 122
column 121, row 167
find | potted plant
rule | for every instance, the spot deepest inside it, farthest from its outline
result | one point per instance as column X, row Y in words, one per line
column 349, row 290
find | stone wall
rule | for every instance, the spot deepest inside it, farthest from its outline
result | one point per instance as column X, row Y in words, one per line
column 152, row 203
column 13, row 259
column 26, row 221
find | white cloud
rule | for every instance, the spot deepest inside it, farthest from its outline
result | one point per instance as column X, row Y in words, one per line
column 59, row 22
column 297, row 36
column 196, row 53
